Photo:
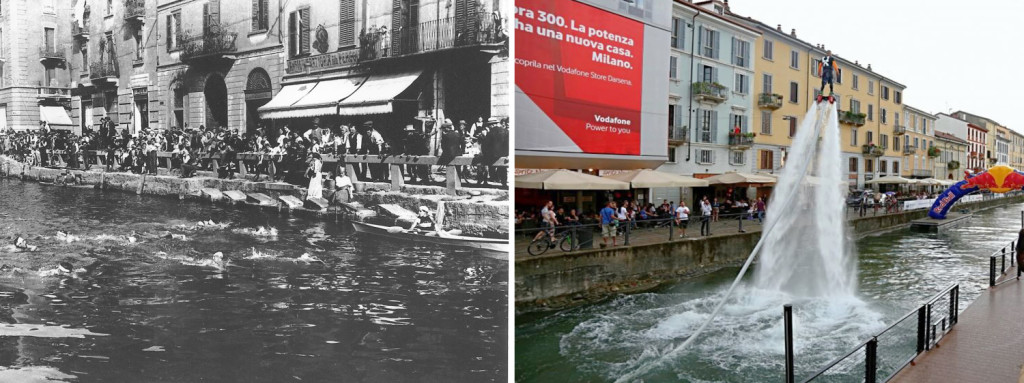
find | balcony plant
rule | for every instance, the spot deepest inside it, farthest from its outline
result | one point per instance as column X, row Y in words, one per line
column 933, row 152
column 953, row 165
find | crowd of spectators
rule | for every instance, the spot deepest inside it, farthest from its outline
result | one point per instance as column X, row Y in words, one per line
column 283, row 154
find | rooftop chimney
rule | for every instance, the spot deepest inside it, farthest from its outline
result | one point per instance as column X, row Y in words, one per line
column 855, row 62
column 727, row 5
column 793, row 33
column 869, row 66
column 779, row 28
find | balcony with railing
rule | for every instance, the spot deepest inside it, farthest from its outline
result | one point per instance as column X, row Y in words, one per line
column 872, row 150
column 709, row 91
column 953, row 165
column 432, row 35
column 851, row 118
column 909, row 150
column 921, row 173
column 899, row 130
column 47, row 93
column 134, row 11
column 741, row 141
column 104, row 73
column 677, row 135
column 214, row 44
column 80, row 33
column 769, row 100
column 51, row 55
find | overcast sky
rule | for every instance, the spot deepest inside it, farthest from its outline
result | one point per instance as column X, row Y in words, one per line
column 950, row 55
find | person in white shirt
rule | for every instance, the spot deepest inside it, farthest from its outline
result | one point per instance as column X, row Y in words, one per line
column 705, row 219
column 682, row 218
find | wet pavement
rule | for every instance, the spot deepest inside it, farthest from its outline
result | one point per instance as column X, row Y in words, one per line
column 293, row 299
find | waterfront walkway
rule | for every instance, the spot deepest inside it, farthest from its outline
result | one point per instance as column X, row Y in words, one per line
column 646, row 236
column 986, row 345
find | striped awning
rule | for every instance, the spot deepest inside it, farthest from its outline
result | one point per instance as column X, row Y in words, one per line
column 378, row 94
column 310, row 99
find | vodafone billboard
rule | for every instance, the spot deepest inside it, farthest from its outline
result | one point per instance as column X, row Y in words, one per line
column 591, row 83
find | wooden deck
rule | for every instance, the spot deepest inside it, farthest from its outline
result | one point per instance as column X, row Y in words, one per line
column 986, row 345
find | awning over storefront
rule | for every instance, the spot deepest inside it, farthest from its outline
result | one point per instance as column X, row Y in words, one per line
column 377, row 94
column 56, row 116
column 320, row 100
column 283, row 101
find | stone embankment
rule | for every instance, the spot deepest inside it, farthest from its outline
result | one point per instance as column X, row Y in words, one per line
column 559, row 280
column 476, row 212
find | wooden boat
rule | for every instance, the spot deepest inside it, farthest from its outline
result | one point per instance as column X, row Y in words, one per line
column 439, row 238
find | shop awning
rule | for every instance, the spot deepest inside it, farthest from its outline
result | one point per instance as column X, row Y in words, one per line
column 320, row 100
column 377, row 94
column 56, row 116
column 283, row 100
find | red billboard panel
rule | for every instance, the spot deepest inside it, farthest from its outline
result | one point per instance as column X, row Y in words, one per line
column 583, row 67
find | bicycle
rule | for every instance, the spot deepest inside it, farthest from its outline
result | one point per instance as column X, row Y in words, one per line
column 565, row 240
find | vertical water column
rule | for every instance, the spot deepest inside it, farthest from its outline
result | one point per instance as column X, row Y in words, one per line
column 806, row 253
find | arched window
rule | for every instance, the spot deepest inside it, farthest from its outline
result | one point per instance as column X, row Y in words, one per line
column 258, row 82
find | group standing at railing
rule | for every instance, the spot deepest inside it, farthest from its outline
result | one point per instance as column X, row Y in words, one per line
column 279, row 154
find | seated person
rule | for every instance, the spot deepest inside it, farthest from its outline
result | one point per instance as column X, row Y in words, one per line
column 424, row 221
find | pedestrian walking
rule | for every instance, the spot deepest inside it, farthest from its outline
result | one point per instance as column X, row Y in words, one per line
column 705, row 219
column 682, row 218
column 608, row 220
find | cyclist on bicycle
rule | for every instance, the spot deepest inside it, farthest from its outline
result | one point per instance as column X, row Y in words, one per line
column 549, row 221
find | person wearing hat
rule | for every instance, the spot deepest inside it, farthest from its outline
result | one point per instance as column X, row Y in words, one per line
column 494, row 146
column 451, row 146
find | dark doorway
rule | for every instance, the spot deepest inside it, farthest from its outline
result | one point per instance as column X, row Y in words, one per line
column 216, row 93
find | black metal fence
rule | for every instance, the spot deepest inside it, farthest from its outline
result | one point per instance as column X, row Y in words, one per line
column 886, row 353
column 999, row 258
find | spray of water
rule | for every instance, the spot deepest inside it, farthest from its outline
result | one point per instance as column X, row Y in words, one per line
column 804, row 231
column 806, row 253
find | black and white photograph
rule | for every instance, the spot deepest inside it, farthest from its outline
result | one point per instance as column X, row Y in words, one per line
column 254, row 190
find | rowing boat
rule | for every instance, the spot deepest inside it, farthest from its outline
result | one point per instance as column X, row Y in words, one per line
column 439, row 238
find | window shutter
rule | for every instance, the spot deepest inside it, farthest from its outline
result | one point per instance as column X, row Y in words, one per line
column 714, row 74
column 206, row 18
column 678, row 116
column 700, row 40
column 714, row 126
column 214, row 15
column 735, row 46
column 347, row 27
column 293, row 41
column 715, row 42
column 256, row 15
column 304, row 31
column 177, row 30
column 746, row 55
column 700, row 126
column 169, row 35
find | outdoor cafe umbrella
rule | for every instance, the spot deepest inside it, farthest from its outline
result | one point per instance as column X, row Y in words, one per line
column 561, row 179
column 647, row 178
column 929, row 181
column 891, row 180
column 732, row 178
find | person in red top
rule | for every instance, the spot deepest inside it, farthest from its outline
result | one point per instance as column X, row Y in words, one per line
column 827, row 67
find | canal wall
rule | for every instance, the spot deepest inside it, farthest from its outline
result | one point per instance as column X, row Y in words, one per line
column 476, row 212
column 559, row 280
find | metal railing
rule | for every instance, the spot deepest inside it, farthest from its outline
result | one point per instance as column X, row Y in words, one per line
column 1009, row 250
column 54, row 53
column 639, row 231
column 872, row 150
column 677, row 133
column 103, row 69
column 769, row 100
column 741, row 140
column 431, row 35
column 214, row 41
column 134, row 9
column 885, row 353
column 849, row 117
column 709, row 90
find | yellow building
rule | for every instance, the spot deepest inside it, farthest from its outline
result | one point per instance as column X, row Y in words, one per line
column 1016, row 149
column 786, row 81
column 919, row 157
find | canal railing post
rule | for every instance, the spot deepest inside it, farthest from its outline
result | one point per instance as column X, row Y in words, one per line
column 671, row 225
column 921, row 329
column 741, row 223
column 870, row 361
column 992, row 271
column 1002, row 267
column 787, row 314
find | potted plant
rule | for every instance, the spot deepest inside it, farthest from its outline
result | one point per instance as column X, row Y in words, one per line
column 933, row 152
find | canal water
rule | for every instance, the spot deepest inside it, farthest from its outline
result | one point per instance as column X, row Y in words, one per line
column 897, row 272
column 296, row 300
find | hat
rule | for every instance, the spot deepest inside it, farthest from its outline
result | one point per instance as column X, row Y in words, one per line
column 462, row 122
column 493, row 120
column 409, row 128
column 424, row 208
column 368, row 124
